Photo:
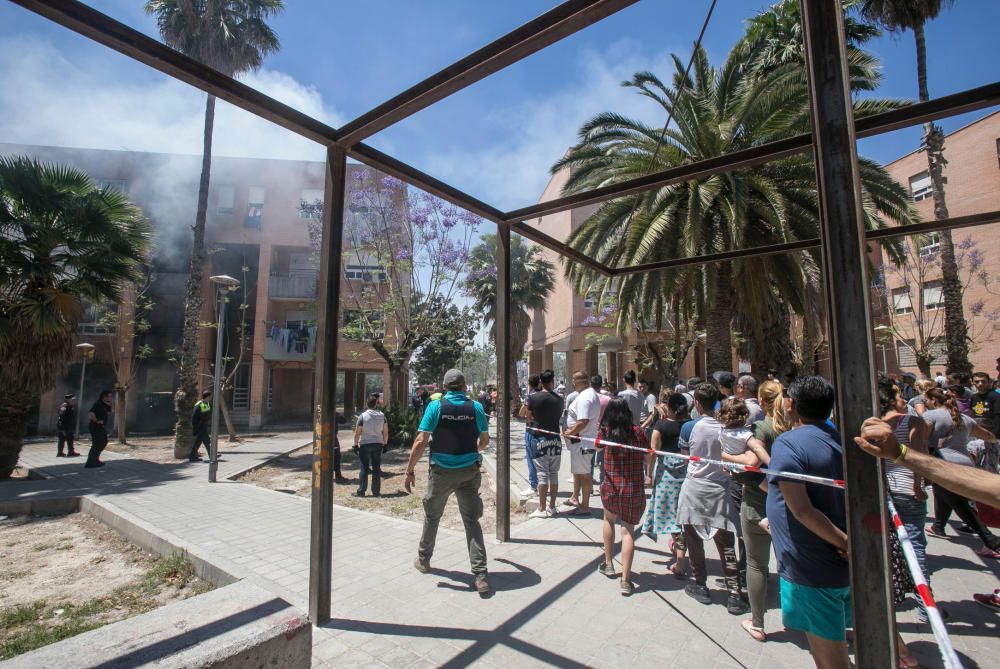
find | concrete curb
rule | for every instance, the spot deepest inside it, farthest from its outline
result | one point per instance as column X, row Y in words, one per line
column 257, row 465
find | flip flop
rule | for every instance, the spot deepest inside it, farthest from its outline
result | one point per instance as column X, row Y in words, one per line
column 756, row 633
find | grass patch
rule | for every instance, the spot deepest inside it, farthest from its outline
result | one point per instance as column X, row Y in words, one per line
column 38, row 624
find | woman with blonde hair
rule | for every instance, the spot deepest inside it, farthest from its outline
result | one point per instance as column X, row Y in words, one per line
column 752, row 509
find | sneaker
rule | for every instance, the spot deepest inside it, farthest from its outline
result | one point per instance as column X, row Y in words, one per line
column 737, row 605
column 96, row 464
column 72, row 454
column 698, row 592
column 989, row 600
column 607, row 569
column 423, row 566
column 482, row 584
column 988, row 552
column 195, row 459
column 550, row 512
column 932, row 531
column 60, row 455
column 357, row 494
column 529, row 492
column 627, row 587
column 539, row 513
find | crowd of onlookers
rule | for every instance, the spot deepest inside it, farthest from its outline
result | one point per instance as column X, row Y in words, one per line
column 787, row 427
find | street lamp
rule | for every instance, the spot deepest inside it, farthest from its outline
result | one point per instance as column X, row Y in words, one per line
column 86, row 350
column 225, row 285
column 464, row 343
column 885, row 363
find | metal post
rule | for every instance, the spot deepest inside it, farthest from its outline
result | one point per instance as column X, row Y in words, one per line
column 846, row 284
column 325, row 409
column 79, row 401
column 213, row 447
column 503, row 383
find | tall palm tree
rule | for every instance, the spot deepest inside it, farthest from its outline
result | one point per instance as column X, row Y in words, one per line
column 61, row 241
column 715, row 112
column 231, row 36
column 531, row 282
column 898, row 15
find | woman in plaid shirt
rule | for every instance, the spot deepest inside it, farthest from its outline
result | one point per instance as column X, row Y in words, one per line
column 622, row 492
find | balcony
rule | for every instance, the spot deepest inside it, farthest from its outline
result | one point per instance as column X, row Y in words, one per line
column 288, row 346
column 293, row 287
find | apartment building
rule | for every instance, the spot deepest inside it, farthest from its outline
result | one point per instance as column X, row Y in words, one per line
column 258, row 232
column 913, row 305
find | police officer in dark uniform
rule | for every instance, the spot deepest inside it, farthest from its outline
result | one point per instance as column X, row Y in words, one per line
column 66, row 426
column 460, row 430
column 98, row 425
column 200, row 419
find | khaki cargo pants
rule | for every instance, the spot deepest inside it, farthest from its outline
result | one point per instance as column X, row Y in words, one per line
column 464, row 483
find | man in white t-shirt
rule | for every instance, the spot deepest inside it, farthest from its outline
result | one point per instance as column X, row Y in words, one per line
column 582, row 420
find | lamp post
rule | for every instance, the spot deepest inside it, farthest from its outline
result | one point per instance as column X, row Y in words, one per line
column 87, row 350
column 464, row 343
column 225, row 285
column 881, row 329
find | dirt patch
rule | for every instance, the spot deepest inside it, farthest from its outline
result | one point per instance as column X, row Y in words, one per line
column 161, row 449
column 292, row 474
column 69, row 574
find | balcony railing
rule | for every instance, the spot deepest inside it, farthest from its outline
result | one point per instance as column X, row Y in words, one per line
column 295, row 286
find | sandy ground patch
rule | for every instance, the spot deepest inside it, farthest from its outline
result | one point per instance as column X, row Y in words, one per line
column 292, row 474
column 64, row 575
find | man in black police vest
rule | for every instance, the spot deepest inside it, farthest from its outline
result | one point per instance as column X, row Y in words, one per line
column 460, row 430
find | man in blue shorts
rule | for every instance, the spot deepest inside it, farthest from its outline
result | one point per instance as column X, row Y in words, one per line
column 808, row 524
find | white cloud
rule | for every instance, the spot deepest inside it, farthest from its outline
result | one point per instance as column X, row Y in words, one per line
column 47, row 98
column 513, row 173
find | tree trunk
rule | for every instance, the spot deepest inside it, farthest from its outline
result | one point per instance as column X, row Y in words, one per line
column 121, row 406
column 718, row 330
column 230, row 428
column 396, row 378
column 13, row 424
column 955, row 326
column 187, row 372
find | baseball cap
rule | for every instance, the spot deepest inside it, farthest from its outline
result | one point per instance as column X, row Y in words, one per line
column 454, row 379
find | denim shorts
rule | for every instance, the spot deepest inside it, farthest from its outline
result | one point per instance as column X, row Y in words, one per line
column 823, row 612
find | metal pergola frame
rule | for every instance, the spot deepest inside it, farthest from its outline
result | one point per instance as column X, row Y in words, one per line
column 842, row 240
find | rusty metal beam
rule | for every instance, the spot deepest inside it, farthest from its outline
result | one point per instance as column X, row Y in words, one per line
column 550, row 27
column 868, row 126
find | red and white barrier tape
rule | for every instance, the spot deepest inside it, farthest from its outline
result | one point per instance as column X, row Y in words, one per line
column 806, row 478
column 948, row 654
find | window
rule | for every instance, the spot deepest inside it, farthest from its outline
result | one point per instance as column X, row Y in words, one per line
column 907, row 356
column 98, row 319
column 355, row 328
column 255, row 207
column 226, row 200
column 366, row 273
column 300, row 264
column 113, row 184
column 932, row 246
column 901, row 303
column 933, row 297
column 590, row 301
column 920, row 186
column 311, row 203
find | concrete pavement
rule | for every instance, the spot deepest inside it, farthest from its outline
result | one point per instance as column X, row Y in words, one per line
column 551, row 607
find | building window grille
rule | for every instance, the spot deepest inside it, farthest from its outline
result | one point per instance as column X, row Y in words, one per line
column 901, row 303
column 933, row 295
column 920, row 186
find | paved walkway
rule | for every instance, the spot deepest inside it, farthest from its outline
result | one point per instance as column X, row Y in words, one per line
column 551, row 607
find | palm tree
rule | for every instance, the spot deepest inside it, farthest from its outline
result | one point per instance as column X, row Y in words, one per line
column 61, row 241
column 898, row 15
column 715, row 112
column 531, row 282
column 232, row 37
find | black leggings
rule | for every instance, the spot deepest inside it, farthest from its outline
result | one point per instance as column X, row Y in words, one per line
column 946, row 501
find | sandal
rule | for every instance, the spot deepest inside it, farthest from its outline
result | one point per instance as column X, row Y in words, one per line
column 988, row 552
column 756, row 633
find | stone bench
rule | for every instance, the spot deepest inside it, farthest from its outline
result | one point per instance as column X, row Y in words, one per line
column 236, row 626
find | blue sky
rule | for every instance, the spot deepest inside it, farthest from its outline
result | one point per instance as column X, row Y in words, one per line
column 495, row 139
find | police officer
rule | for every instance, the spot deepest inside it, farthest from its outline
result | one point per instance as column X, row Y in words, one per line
column 66, row 426
column 98, row 424
column 200, row 418
column 460, row 430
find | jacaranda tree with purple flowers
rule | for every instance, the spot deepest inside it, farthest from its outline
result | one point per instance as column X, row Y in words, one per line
column 914, row 302
column 405, row 255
